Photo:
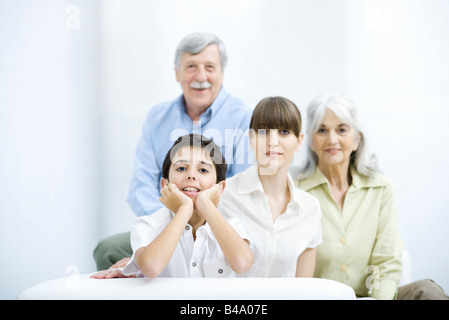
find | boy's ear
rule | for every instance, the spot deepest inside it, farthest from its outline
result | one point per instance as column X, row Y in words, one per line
column 164, row 182
column 222, row 185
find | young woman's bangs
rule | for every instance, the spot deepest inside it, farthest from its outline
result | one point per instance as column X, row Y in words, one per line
column 272, row 116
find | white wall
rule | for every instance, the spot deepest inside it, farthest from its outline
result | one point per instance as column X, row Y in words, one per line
column 72, row 102
column 397, row 71
column 49, row 188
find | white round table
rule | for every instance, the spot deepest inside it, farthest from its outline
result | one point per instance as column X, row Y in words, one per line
column 85, row 288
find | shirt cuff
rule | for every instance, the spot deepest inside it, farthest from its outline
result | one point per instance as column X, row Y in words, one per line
column 387, row 290
column 131, row 268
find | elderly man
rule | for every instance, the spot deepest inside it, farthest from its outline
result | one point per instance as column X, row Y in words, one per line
column 204, row 107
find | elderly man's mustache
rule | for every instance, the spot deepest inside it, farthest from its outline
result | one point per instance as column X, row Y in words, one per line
column 200, row 85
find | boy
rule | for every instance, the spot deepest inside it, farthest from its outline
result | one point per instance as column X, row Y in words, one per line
column 189, row 237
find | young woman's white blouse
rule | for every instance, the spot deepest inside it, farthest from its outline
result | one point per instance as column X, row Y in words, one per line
column 280, row 242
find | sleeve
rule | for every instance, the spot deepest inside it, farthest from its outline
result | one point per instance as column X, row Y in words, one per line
column 241, row 231
column 243, row 156
column 386, row 255
column 317, row 239
column 142, row 234
column 144, row 190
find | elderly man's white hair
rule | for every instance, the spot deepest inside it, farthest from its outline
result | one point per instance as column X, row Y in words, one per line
column 196, row 42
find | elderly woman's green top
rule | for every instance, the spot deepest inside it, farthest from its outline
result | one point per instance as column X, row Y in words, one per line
column 362, row 245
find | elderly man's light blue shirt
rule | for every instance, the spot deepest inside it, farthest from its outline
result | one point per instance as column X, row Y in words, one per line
column 226, row 121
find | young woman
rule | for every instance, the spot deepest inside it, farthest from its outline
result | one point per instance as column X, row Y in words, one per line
column 282, row 220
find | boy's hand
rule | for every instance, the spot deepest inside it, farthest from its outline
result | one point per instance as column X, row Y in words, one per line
column 212, row 194
column 173, row 198
column 110, row 274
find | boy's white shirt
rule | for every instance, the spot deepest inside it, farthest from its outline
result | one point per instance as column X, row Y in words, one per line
column 200, row 258
column 278, row 243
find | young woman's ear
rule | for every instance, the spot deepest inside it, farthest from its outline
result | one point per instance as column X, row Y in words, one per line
column 164, row 182
column 300, row 138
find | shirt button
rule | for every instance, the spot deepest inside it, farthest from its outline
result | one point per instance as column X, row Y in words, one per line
column 187, row 227
column 220, row 271
column 343, row 240
column 194, row 264
column 342, row 267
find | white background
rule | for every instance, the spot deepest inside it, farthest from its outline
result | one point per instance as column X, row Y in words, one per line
column 78, row 77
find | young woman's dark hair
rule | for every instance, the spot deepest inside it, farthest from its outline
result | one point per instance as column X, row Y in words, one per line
column 276, row 113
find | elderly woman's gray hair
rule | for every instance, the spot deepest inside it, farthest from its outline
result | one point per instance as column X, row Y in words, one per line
column 345, row 109
column 196, row 42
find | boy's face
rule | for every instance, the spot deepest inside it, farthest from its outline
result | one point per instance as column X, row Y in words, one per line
column 191, row 171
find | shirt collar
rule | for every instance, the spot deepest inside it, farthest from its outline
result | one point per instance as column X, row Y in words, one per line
column 315, row 180
column 358, row 181
column 163, row 223
column 294, row 196
column 250, row 182
column 213, row 108
column 204, row 228
column 218, row 102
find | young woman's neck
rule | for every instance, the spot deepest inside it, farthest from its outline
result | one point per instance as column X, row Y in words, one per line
column 275, row 187
column 276, row 183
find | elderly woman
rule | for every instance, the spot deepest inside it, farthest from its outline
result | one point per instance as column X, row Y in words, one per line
column 362, row 245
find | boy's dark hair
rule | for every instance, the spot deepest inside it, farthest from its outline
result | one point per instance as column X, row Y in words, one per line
column 276, row 113
column 197, row 141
